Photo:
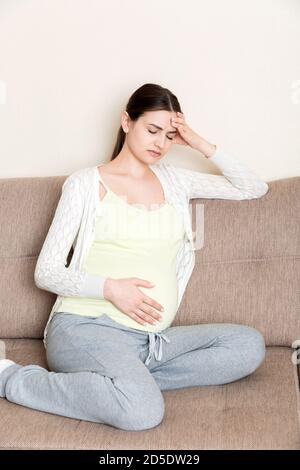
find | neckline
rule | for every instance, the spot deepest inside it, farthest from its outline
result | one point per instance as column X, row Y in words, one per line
column 133, row 206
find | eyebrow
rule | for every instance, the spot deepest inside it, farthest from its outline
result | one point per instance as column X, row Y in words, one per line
column 170, row 132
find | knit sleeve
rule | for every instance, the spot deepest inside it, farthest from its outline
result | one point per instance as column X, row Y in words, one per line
column 239, row 182
column 51, row 273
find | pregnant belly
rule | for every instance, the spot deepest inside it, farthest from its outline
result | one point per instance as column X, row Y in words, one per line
column 162, row 274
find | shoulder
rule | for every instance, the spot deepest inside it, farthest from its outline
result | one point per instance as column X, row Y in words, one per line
column 79, row 182
column 165, row 167
column 83, row 175
column 175, row 179
column 172, row 172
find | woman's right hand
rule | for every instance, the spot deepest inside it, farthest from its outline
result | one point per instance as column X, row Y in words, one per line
column 126, row 296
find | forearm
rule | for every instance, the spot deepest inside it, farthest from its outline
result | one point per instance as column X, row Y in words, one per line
column 206, row 148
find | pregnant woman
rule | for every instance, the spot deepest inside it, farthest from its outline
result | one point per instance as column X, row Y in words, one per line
column 109, row 342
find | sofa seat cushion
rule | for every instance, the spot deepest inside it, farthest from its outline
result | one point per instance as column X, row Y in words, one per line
column 259, row 411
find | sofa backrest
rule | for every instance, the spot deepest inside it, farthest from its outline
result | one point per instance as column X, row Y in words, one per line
column 247, row 271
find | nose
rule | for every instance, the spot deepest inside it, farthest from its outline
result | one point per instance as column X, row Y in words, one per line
column 160, row 143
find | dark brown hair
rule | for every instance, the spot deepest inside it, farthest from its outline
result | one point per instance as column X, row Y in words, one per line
column 149, row 97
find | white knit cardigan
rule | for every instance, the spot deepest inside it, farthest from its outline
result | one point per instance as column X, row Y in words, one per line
column 79, row 205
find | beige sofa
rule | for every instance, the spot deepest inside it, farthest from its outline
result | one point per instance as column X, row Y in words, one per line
column 247, row 272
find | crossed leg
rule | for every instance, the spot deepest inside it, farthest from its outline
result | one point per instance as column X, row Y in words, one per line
column 95, row 376
column 207, row 354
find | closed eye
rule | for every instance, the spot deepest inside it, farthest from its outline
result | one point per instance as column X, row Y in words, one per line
column 156, row 133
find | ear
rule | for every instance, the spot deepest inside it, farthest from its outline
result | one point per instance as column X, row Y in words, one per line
column 125, row 121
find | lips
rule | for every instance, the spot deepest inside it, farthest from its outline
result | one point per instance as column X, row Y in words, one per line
column 156, row 153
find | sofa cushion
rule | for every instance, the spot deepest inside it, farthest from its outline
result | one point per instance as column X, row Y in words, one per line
column 256, row 412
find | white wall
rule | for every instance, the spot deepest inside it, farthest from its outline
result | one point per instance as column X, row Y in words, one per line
column 67, row 69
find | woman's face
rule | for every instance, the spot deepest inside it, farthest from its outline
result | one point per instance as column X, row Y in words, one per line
column 152, row 131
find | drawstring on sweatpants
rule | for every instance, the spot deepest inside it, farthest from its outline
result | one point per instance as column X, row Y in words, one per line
column 153, row 337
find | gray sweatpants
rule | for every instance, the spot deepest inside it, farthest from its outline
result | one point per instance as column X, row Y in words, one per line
column 104, row 372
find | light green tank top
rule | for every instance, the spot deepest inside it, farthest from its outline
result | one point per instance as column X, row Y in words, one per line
column 133, row 242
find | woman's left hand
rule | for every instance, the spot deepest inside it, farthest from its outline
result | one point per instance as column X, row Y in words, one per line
column 185, row 135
